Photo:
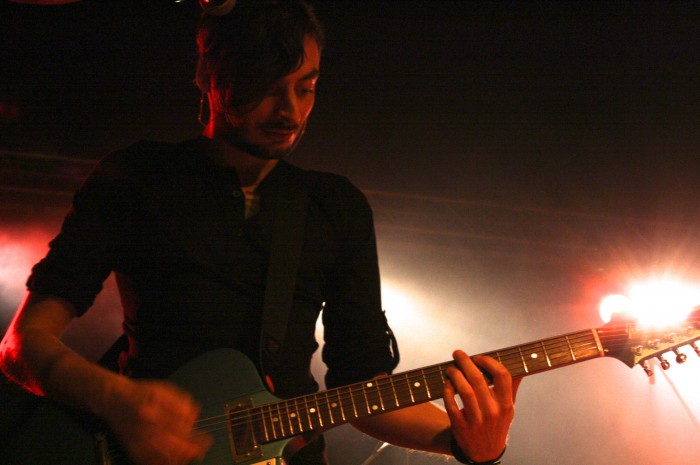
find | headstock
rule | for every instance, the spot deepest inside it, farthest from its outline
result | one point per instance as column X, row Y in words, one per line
column 634, row 344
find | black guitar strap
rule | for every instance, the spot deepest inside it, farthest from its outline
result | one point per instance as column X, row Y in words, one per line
column 289, row 220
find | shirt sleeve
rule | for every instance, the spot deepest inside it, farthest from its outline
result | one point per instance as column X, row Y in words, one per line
column 357, row 342
column 82, row 255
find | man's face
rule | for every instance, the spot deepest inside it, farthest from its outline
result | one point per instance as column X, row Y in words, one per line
column 273, row 128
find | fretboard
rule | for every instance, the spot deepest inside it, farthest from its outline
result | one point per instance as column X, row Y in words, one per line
column 323, row 410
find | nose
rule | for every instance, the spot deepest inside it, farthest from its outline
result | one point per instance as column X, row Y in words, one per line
column 288, row 105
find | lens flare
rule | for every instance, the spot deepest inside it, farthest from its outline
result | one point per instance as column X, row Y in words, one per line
column 656, row 302
column 612, row 304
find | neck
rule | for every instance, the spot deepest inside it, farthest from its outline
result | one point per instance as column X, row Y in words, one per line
column 251, row 170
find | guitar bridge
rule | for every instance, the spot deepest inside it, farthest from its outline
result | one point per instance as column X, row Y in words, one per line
column 244, row 444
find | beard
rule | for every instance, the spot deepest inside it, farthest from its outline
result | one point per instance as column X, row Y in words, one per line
column 239, row 140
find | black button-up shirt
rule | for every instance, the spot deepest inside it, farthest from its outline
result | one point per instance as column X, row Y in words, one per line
column 191, row 269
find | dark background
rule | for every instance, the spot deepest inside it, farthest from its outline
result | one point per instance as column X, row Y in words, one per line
column 522, row 159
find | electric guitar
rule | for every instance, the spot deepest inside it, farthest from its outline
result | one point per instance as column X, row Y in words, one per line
column 252, row 427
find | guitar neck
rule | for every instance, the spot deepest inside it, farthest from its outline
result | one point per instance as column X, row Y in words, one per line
column 337, row 406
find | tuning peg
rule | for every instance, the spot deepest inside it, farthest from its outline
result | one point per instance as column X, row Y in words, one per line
column 680, row 356
column 647, row 370
column 695, row 348
column 665, row 364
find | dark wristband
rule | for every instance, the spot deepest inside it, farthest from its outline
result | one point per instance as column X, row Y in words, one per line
column 460, row 456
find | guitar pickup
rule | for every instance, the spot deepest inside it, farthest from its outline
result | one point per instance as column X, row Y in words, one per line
column 241, row 429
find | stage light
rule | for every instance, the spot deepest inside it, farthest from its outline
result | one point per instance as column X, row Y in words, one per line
column 661, row 302
column 613, row 304
column 19, row 250
column 654, row 302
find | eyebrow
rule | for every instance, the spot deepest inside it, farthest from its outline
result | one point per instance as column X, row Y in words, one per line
column 314, row 73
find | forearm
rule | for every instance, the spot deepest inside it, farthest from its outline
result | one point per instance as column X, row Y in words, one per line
column 32, row 354
column 154, row 421
column 424, row 427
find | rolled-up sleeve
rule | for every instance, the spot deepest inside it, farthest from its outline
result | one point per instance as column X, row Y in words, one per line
column 82, row 255
column 357, row 344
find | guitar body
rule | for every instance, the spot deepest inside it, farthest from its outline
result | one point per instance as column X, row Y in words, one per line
column 60, row 436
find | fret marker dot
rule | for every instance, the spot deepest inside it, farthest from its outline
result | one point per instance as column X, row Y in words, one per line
column 374, row 407
column 334, row 405
column 312, row 410
column 533, row 356
column 370, row 384
column 416, row 384
column 275, row 419
column 293, row 415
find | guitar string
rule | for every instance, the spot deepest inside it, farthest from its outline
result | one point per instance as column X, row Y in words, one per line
column 616, row 338
column 254, row 418
column 304, row 403
column 513, row 355
column 313, row 402
column 622, row 331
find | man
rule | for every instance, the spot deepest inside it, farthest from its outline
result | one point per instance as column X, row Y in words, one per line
column 186, row 229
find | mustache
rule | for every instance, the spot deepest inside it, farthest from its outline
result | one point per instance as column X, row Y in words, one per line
column 281, row 125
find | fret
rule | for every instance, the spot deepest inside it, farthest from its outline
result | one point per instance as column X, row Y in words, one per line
column 372, row 397
column 589, row 346
column 330, row 408
column 410, row 389
column 563, row 355
column 393, row 391
column 301, row 410
column 536, row 359
column 435, row 381
column 309, row 410
column 277, row 420
column 522, row 359
column 385, row 388
column 352, row 399
column 338, row 403
column 297, row 415
column 264, row 417
column 280, row 420
column 364, row 396
column 425, row 381
column 418, row 389
column 546, row 355
column 319, row 411
column 378, row 383
column 571, row 349
column 598, row 343
column 289, row 418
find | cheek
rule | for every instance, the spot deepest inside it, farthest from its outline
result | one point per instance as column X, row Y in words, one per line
column 308, row 106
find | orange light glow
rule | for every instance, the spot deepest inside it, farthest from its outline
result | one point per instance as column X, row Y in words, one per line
column 19, row 250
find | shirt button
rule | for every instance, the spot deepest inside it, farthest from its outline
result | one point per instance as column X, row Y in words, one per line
column 237, row 194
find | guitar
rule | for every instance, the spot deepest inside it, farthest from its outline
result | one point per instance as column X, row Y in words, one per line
column 252, row 427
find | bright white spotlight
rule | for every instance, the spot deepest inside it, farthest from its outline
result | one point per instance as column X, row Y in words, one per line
column 656, row 302
column 663, row 302
column 612, row 304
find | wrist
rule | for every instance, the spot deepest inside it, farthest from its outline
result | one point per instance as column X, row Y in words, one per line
column 108, row 394
column 461, row 457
